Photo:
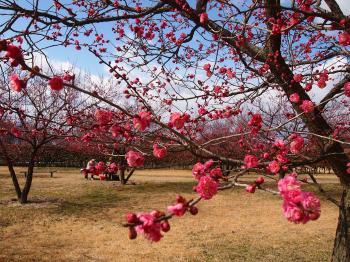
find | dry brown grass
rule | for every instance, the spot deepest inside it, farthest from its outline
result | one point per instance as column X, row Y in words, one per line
column 71, row 219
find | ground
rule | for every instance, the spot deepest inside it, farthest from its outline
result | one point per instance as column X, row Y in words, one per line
column 72, row 219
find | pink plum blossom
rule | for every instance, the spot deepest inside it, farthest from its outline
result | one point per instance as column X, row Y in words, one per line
column 142, row 121
column 149, row 227
column 16, row 83
column 198, row 170
column 279, row 143
column 56, row 83
column 259, row 180
column 255, row 120
column 250, row 188
column 294, row 98
column 203, row 18
column 207, row 187
column 177, row 120
column 298, row 206
column 100, row 167
column 103, row 117
column 298, row 78
column 15, row 54
column 216, row 172
column 307, row 106
column 134, row 158
column 273, row 166
column 344, row 39
column 15, row 132
column 347, row 89
column 297, row 144
column 158, row 151
column 178, row 209
column 251, row 161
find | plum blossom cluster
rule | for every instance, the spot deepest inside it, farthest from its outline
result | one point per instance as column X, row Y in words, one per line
column 251, row 161
column 134, row 158
column 307, row 106
column 14, row 55
column 103, row 117
column 344, row 39
column 148, row 225
column 159, row 151
column 17, row 84
column 347, row 89
column 208, row 179
column 297, row 144
column 152, row 225
column 298, row 206
column 255, row 123
column 142, row 121
column 178, row 120
column 278, row 155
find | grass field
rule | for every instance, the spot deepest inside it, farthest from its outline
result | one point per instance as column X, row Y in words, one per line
column 71, row 219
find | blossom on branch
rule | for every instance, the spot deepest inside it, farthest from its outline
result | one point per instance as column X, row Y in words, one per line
column 16, row 83
column 56, row 83
column 134, row 159
column 207, row 187
column 103, row 117
column 298, row 206
column 307, row 106
column 142, row 120
column 158, row 151
column 251, row 161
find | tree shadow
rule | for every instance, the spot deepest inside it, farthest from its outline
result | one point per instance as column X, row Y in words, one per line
column 95, row 200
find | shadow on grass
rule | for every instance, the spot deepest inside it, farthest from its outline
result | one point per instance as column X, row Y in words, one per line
column 95, row 199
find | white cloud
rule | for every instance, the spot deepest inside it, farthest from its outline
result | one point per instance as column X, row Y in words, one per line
column 343, row 4
column 55, row 66
column 316, row 93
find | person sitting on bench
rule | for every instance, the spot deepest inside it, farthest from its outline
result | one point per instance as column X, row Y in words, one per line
column 90, row 168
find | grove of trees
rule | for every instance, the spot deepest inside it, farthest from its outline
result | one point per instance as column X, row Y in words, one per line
column 231, row 86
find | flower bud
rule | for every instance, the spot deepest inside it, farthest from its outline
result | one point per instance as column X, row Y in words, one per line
column 131, row 218
column 194, row 210
column 259, row 180
column 250, row 188
column 165, row 226
column 180, row 199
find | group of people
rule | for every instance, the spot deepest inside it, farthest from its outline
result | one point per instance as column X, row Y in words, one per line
column 104, row 171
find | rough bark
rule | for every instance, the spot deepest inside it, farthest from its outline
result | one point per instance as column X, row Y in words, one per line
column 341, row 249
column 129, row 175
column 28, row 184
column 11, row 170
column 122, row 176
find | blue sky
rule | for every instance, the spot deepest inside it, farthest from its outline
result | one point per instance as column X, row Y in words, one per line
column 84, row 60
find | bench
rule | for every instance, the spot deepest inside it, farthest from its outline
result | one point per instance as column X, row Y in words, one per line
column 42, row 172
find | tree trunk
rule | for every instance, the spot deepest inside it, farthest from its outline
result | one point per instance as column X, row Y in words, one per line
column 11, row 170
column 28, row 184
column 336, row 158
column 129, row 175
column 341, row 249
column 122, row 176
column 14, row 180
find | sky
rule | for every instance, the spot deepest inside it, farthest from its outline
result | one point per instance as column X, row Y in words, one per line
column 87, row 62
column 62, row 57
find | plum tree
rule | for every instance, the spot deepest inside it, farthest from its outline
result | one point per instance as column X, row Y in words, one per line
column 185, row 64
